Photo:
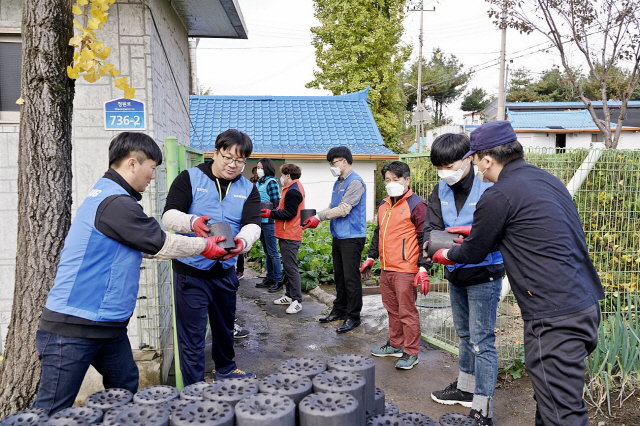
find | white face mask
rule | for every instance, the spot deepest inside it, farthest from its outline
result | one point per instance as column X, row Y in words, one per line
column 282, row 180
column 394, row 189
column 335, row 171
column 451, row 177
column 260, row 173
column 479, row 174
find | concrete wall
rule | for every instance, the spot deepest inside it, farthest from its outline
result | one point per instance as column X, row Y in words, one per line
column 318, row 181
column 628, row 140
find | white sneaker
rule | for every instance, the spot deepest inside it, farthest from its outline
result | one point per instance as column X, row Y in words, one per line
column 294, row 307
column 284, row 300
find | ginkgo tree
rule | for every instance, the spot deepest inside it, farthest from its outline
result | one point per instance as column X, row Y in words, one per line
column 90, row 56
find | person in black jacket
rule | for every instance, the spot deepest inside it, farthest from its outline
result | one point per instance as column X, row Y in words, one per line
column 474, row 289
column 532, row 218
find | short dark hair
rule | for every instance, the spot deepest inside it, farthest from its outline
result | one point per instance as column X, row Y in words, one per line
column 340, row 152
column 267, row 166
column 398, row 168
column 141, row 145
column 505, row 153
column 449, row 148
column 231, row 137
column 291, row 170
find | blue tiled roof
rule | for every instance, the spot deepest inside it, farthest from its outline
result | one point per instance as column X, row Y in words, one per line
column 289, row 124
column 550, row 120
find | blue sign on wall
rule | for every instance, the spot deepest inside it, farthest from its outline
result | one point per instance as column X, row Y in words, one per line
column 124, row 114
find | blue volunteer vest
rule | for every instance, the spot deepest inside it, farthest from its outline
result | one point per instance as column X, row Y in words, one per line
column 353, row 225
column 451, row 217
column 97, row 277
column 264, row 195
column 206, row 202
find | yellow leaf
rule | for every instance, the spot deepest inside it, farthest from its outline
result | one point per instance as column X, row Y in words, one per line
column 120, row 81
column 114, row 72
column 83, row 2
column 97, row 13
column 76, row 10
column 75, row 41
column 86, row 55
column 129, row 93
column 102, row 54
column 91, row 77
column 20, row 101
column 93, row 24
column 89, row 65
column 77, row 25
column 76, row 56
column 72, row 72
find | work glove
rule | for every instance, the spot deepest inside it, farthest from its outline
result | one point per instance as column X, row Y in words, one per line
column 265, row 213
column 462, row 230
column 199, row 226
column 422, row 278
column 312, row 222
column 365, row 269
column 235, row 251
column 438, row 257
column 213, row 251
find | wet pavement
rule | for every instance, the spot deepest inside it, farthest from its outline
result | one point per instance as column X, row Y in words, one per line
column 276, row 336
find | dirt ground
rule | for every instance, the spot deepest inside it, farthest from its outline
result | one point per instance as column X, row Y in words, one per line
column 276, row 336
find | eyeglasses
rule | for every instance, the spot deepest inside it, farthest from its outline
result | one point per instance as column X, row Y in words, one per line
column 229, row 160
column 335, row 161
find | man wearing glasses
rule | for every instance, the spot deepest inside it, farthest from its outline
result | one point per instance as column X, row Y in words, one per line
column 210, row 193
column 348, row 215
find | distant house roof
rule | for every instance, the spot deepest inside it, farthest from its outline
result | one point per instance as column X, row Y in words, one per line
column 555, row 121
column 211, row 18
column 568, row 105
column 291, row 126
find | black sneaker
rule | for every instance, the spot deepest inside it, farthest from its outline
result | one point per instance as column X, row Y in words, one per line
column 452, row 395
column 480, row 419
column 265, row 283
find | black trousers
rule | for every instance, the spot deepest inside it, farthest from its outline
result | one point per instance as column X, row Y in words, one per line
column 346, row 271
column 555, row 349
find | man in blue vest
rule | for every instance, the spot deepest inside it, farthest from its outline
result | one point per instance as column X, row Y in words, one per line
column 474, row 289
column 530, row 215
column 209, row 193
column 85, row 318
column 348, row 215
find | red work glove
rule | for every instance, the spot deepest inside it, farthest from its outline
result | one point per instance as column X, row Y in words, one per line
column 365, row 269
column 422, row 278
column 199, row 226
column 213, row 251
column 265, row 213
column 438, row 257
column 464, row 231
column 312, row 222
column 236, row 251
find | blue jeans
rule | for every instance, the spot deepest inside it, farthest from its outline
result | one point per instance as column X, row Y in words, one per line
column 474, row 317
column 270, row 247
column 65, row 361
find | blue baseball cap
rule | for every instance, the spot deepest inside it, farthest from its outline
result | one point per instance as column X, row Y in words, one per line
column 491, row 134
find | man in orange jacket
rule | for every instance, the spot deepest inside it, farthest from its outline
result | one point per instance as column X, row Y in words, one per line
column 397, row 240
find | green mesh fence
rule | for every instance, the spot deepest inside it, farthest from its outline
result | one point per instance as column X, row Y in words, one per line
column 608, row 203
column 152, row 328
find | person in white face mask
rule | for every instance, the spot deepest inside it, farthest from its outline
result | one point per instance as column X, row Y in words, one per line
column 397, row 240
column 474, row 289
column 348, row 215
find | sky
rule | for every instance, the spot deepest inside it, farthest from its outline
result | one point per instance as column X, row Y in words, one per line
column 278, row 58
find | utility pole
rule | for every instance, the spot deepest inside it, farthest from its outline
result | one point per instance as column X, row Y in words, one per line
column 421, row 114
column 503, row 48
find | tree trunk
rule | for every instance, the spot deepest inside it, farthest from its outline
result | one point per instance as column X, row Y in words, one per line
column 44, row 188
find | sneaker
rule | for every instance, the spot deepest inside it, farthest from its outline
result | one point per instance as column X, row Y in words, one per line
column 265, row 283
column 235, row 374
column 452, row 395
column 480, row 419
column 406, row 361
column 284, row 300
column 294, row 307
column 239, row 332
column 387, row 350
column 240, row 275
